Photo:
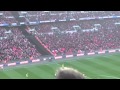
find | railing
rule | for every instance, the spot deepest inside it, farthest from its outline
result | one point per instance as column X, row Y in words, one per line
column 50, row 58
column 43, row 45
column 38, row 22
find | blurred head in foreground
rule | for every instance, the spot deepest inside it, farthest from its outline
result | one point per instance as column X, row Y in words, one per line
column 68, row 73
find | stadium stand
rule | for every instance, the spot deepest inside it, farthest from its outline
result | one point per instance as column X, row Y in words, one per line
column 32, row 16
column 65, row 37
column 7, row 17
column 91, row 36
column 14, row 46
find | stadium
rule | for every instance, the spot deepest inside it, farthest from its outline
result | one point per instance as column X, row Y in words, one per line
column 34, row 44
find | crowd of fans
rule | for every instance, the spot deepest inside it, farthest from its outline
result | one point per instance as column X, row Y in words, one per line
column 74, row 25
column 89, row 35
column 44, row 28
column 68, row 43
column 6, row 17
column 32, row 16
column 14, row 46
column 104, row 37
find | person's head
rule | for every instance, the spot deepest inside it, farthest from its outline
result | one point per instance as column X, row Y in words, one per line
column 68, row 73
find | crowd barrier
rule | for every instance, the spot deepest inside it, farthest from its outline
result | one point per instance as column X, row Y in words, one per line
column 50, row 58
column 47, row 21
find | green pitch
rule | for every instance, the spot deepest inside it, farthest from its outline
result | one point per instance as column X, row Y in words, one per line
column 105, row 66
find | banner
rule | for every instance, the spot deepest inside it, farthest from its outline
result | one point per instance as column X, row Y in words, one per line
column 58, row 57
column 1, row 65
column 22, row 22
column 14, row 24
column 4, row 24
column 11, row 64
column 101, row 52
column 32, row 23
column 67, row 56
column 37, row 60
column 111, row 51
column 80, row 54
column 46, row 58
column 91, row 53
column 23, row 62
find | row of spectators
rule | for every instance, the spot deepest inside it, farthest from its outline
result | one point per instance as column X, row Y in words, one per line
column 74, row 25
column 61, row 15
column 14, row 46
column 69, row 43
column 7, row 17
column 31, row 16
column 107, row 36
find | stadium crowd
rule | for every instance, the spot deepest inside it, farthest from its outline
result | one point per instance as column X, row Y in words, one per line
column 70, row 26
column 32, row 16
column 14, row 46
column 88, row 38
column 83, row 41
column 7, row 17
column 60, row 37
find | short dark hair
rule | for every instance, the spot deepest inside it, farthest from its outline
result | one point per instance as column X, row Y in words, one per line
column 69, row 73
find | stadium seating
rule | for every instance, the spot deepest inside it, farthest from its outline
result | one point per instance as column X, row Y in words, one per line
column 60, row 37
column 7, row 17
column 61, row 15
column 88, row 38
column 14, row 46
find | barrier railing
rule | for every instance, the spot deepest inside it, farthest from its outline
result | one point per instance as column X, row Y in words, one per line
column 51, row 58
